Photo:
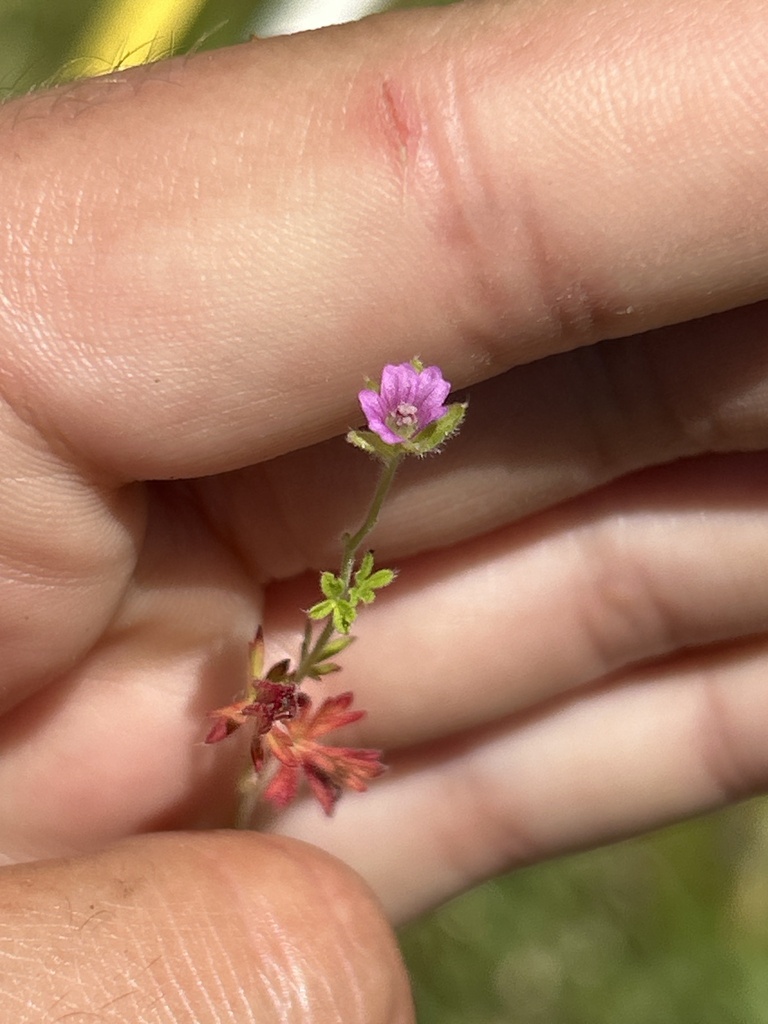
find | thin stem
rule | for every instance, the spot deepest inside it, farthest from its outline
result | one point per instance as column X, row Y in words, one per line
column 246, row 804
column 310, row 657
column 352, row 544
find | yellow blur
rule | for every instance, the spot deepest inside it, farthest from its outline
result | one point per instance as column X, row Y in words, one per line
column 123, row 33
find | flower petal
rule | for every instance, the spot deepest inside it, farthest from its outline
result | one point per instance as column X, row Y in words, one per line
column 375, row 413
column 395, row 384
column 282, row 786
column 332, row 714
column 325, row 790
column 220, row 729
column 226, row 720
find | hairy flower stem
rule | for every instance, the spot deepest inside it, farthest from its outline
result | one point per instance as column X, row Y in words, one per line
column 352, row 544
column 247, row 801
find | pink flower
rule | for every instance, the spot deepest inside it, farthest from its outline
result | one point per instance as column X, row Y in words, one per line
column 408, row 401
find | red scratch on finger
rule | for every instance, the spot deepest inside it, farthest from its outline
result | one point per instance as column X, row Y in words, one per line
column 402, row 129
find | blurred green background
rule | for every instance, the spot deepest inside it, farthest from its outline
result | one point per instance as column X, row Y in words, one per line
column 670, row 929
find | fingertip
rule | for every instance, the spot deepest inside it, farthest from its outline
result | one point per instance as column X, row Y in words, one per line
column 206, row 927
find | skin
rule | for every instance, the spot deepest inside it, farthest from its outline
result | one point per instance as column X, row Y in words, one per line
column 564, row 206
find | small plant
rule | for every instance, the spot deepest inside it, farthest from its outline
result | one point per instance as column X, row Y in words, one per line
column 406, row 415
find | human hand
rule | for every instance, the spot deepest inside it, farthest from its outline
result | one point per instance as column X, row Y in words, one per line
column 203, row 260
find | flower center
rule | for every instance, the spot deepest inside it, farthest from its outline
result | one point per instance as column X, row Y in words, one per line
column 406, row 415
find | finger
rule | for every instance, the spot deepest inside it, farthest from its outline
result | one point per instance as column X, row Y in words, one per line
column 210, row 928
column 656, row 746
column 114, row 745
column 206, row 255
column 67, row 548
column 659, row 562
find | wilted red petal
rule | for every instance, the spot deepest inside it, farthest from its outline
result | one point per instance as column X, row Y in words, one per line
column 283, row 786
column 332, row 714
column 283, row 747
column 220, row 729
column 328, row 769
column 349, row 766
column 326, row 791
column 227, row 719
column 257, row 753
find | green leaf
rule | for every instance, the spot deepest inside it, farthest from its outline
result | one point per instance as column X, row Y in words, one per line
column 366, row 567
column 331, row 585
column 381, row 578
column 344, row 615
column 322, row 609
column 365, row 589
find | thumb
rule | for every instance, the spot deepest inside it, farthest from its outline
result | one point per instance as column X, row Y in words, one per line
column 211, row 928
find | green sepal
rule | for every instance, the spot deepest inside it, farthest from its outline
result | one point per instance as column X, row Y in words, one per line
column 279, row 671
column 435, row 433
column 336, row 646
column 372, row 444
column 318, row 671
column 306, row 641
